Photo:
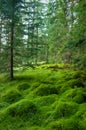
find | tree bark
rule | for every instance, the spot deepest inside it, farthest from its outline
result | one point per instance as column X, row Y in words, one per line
column 12, row 44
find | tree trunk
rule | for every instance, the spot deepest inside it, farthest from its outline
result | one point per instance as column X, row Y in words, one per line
column 12, row 43
column 11, row 60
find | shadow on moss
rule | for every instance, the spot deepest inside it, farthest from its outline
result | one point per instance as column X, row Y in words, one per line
column 46, row 89
column 23, row 86
column 11, row 96
column 23, row 108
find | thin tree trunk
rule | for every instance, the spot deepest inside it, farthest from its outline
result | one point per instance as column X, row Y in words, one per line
column 12, row 44
column 47, row 53
column 11, row 60
column 0, row 33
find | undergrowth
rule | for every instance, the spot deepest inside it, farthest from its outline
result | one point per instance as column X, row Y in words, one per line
column 48, row 97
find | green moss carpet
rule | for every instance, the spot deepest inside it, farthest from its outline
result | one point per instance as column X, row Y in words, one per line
column 48, row 97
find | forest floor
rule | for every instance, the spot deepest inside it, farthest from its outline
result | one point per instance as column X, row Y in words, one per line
column 48, row 97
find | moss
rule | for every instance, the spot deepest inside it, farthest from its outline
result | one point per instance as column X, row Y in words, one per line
column 43, row 99
column 79, row 74
column 68, row 94
column 35, row 85
column 77, row 95
column 55, row 125
column 81, row 113
column 80, row 96
column 11, row 96
column 46, row 89
column 71, row 124
column 36, row 128
column 74, row 83
column 23, row 86
column 82, row 124
column 64, row 109
column 3, row 105
column 23, row 108
column 65, row 124
column 46, row 100
column 55, row 67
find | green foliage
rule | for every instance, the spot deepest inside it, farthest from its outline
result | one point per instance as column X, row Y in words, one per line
column 66, row 32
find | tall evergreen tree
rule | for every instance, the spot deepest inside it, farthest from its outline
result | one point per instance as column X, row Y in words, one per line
column 9, row 11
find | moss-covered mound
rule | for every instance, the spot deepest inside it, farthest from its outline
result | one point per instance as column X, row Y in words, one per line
column 50, row 97
column 23, row 86
column 11, row 96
